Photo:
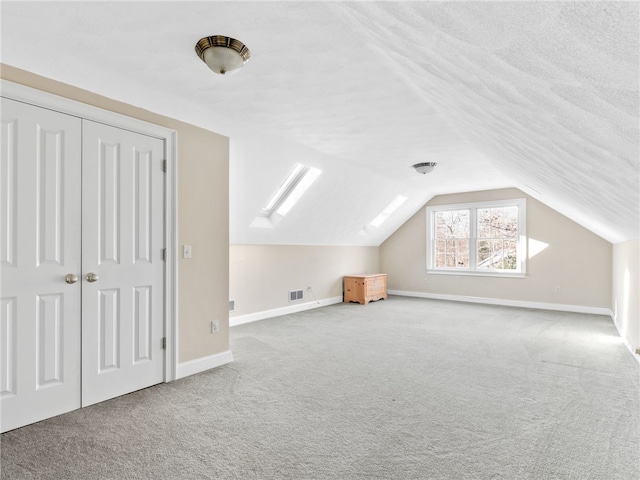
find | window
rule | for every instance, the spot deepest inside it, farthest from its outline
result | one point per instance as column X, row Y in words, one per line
column 286, row 196
column 486, row 238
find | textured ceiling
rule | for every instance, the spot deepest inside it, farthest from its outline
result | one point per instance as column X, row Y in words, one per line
column 542, row 96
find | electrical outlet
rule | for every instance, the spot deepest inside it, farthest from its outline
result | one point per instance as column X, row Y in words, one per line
column 556, row 289
column 214, row 326
column 309, row 287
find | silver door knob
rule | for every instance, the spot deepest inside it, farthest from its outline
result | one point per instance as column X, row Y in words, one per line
column 70, row 278
column 92, row 277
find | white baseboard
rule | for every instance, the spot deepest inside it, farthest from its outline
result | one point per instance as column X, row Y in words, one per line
column 202, row 364
column 508, row 303
column 276, row 312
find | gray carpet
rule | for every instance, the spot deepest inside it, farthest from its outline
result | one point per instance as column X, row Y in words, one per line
column 398, row 389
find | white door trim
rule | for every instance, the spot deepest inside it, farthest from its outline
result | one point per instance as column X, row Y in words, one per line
column 42, row 99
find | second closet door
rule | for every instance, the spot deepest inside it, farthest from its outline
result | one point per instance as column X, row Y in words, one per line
column 122, row 263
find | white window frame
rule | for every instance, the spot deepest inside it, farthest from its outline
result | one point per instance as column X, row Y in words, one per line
column 473, row 208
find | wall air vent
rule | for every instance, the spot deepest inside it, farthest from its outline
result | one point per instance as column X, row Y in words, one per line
column 295, row 295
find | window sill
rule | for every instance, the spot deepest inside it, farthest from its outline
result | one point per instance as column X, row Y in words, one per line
column 470, row 273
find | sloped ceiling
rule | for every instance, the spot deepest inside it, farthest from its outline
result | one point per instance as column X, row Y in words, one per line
column 542, row 96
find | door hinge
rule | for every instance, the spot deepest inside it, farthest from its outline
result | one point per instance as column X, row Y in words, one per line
column 164, row 343
column 164, row 254
column 164, row 165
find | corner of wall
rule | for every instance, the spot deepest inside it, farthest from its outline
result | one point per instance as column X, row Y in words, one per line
column 626, row 292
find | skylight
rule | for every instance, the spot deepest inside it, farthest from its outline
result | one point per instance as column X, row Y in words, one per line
column 280, row 194
column 384, row 214
column 285, row 197
column 309, row 176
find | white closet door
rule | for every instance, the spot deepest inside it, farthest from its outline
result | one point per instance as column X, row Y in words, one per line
column 40, row 205
column 122, row 218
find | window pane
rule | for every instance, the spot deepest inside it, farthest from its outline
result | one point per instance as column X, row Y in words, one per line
column 451, row 253
column 452, row 238
column 511, row 255
column 462, row 253
column 484, row 253
column 461, row 222
column 441, row 223
column 507, row 222
column 498, row 222
column 497, row 255
column 490, row 254
column 451, row 260
column 452, row 224
column 442, row 227
column 484, row 222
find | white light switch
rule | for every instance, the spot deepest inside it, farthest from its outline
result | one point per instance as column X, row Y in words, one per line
column 186, row 251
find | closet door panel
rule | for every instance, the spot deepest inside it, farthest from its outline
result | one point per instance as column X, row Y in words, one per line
column 40, row 209
column 123, row 238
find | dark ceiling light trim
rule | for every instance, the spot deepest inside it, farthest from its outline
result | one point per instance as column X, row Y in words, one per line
column 222, row 54
column 424, row 167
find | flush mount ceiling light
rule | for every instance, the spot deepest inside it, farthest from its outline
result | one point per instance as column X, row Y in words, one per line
column 424, row 167
column 222, row 54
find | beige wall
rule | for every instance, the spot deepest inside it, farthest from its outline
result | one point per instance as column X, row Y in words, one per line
column 262, row 275
column 626, row 290
column 203, row 217
column 576, row 260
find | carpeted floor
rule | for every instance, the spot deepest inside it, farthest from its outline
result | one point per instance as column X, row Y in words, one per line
column 399, row 389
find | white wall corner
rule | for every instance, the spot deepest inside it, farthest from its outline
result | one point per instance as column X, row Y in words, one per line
column 276, row 312
column 203, row 364
column 623, row 336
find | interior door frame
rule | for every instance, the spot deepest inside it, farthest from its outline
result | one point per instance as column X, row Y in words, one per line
column 39, row 98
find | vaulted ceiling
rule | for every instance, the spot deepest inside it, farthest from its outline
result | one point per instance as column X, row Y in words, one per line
column 542, row 96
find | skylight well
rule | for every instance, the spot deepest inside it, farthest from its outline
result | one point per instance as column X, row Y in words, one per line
column 286, row 196
column 384, row 214
column 309, row 176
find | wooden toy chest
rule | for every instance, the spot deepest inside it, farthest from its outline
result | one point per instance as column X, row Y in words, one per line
column 365, row 288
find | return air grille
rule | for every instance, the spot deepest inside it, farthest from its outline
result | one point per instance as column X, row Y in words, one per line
column 295, row 295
